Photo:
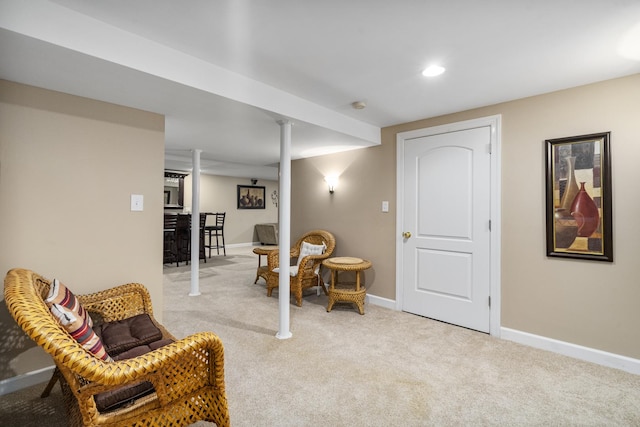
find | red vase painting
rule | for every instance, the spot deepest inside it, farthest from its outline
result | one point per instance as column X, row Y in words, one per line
column 585, row 212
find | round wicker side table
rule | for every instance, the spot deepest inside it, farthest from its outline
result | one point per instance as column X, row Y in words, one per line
column 346, row 292
column 263, row 270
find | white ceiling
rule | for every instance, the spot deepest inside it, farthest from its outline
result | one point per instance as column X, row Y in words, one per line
column 222, row 72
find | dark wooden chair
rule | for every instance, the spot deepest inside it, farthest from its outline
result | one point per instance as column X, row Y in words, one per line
column 182, row 237
column 216, row 230
column 170, row 253
column 187, row 236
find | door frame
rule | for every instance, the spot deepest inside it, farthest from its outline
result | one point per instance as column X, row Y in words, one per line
column 495, row 182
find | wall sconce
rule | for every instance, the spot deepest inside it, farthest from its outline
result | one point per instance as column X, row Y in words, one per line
column 332, row 182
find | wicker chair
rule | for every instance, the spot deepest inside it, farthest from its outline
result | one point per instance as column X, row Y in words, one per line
column 308, row 274
column 187, row 375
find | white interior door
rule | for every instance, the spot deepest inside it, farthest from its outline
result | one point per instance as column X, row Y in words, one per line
column 446, row 194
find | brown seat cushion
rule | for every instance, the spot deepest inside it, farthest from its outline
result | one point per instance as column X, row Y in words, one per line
column 142, row 349
column 122, row 396
column 123, row 335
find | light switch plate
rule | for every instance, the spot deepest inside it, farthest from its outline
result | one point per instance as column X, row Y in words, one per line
column 385, row 206
column 137, row 202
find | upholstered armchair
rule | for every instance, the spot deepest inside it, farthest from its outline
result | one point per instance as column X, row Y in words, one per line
column 161, row 382
column 310, row 250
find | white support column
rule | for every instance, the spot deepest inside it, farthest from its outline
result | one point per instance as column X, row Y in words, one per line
column 195, row 225
column 284, row 228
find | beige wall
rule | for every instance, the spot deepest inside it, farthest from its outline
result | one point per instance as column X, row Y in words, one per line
column 353, row 212
column 593, row 304
column 219, row 194
column 68, row 166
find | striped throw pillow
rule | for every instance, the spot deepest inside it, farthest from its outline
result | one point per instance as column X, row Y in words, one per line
column 61, row 295
column 80, row 331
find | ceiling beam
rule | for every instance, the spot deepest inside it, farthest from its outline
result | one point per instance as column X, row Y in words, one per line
column 55, row 24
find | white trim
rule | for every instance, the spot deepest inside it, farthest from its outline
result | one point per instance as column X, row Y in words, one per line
column 495, row 122
column 381, row 302
column 599, row 357
column 29, row 379
column 496, row 225
column 399, row 217
column 247, row 244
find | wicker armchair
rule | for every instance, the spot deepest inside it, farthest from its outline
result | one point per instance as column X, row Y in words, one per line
column 187, row 375
column 308, row 273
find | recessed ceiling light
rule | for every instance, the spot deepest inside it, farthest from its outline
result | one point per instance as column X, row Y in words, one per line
column 433, row 70
column 358, row 105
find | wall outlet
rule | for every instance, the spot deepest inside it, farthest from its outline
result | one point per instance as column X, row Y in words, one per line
column 385, row 206
column 137, row 202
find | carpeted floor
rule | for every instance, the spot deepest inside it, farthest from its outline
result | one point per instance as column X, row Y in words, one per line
column 25, row 408
column 385, row 368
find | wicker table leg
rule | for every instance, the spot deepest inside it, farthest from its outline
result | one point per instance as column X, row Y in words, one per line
column 338, row 294
column 262, row 270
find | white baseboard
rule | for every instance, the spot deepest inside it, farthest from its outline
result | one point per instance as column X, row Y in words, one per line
column 242, row 245
column 599, row 357
column 26, row 380
column 382, row 302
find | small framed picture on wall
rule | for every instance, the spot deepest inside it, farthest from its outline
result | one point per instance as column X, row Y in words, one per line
column 578, row 197
column 251, row 197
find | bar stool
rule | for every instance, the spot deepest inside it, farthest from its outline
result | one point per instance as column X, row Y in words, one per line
column 183, row 237
column 201, row 245
column 216, row 231
column 170, row 248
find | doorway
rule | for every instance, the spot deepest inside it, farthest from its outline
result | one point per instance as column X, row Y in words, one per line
column 448, row 224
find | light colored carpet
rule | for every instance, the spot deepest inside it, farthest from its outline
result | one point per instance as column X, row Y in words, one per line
column 385, row 368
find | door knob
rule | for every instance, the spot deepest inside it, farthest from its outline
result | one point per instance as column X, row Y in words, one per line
column 406, row 234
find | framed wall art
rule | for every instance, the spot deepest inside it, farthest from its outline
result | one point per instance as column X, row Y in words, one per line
column 578, row 197
column 251, row 197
